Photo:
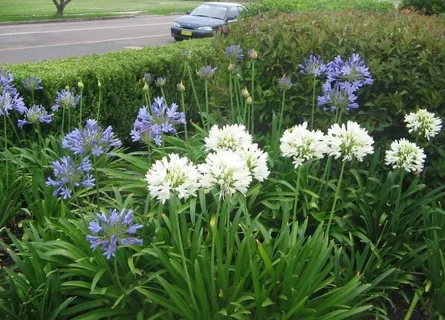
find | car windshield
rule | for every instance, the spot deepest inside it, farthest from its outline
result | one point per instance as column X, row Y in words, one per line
column 205, row 10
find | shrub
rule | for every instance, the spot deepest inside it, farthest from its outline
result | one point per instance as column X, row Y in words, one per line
column 425, row 6
column 119, row 74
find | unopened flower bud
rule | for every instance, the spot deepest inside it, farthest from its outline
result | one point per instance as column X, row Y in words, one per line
column 67, row 87
column 80, row 84
column 145, row 87
column 245, row 93
column 180, row 87
column 253, row 54
column 99, row 84
column 231, row 67
column 249, row 100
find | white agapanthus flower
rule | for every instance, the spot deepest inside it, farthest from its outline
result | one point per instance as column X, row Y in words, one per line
column 256, row 160
column 423, row 123
column 302, row 144
column 170, row 176
column 406, row 155
column 349, row 141
column 230, row 137
column 225, row 171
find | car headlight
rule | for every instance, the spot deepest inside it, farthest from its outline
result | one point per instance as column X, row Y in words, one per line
column 175, row 24
column 205, row 28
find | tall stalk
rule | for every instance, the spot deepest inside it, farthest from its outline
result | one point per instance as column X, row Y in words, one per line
column 6, row 147
column 206, row 90
column 185, row 124
column 280, row 123
column 252, row 107
column 192, row 84
column 313, row 103
column 337, row 192
column 232, row 109
column 99, row 102
column 81, row 107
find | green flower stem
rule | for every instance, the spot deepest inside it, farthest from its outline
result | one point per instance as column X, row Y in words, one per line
column 148, row 94
column 116, row 275
column 192, row 84
column 80, row 212
column 175, row 225
column 246, row 114
column 69, row 119
column 15, row 131
column 206, row 90
column 232, row 110
column 337, row 192
column 81, row 107
column 32, row 97
column 219, row 245
column 214, row 230
column 5, row 128
column 297, row 196
column 63, row 121
column 399, row 196
column 280, row 123
column 163, row 94
column 185, row 124
column 313, row 103
column 252, row 94
column 238, row 103
column 98, row 104
column 96, row 177
column 325, row 178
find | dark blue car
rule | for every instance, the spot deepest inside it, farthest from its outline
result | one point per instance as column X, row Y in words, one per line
column 206, row 20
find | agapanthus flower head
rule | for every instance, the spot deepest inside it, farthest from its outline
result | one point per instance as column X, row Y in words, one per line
column 68, row 176
column 226, row 172
column 256, row 161
column 161, row 120
column 234, row 53
column 187, row 54
column 148, row 78
column 349, row 142
column 65, row 99
column 91, row 139
column 206, row 72
column 160, row 82
column 6, row 82
column 32, row 83
column 284, row 83
column 252, row 54
column 352, row 73
column 313, row 66
column 423, row 123
column 111, row 229
column 173, row 176
column 230, row 137
column 337, row 97
column 405, row 155
column 10, row 101
column 34, row 115
column 301, row 144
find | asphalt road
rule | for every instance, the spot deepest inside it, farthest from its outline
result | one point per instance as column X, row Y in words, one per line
column 57, row 40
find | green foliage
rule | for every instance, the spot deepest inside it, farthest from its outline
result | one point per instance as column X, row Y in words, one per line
column 424, row 6
column 119, row 74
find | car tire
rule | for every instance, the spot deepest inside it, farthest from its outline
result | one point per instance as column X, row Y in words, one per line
column 177, row 39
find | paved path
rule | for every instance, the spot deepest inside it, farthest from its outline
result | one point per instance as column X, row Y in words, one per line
column 44, row 41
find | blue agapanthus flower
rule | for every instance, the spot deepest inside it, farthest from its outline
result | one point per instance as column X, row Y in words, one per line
column 68, row 176
column 234, row 53
column 6, row 82
column 148, row 78
column 159, row 120
column 32, row 83
column 11, row 101
column 284, row 83
column 91, row 139
column 65, row 99
column 160, row 82
column 313, row 66
column 34, row 115
column 352, row 73
column 112, row 229
column 206, row 72
column 337, row 97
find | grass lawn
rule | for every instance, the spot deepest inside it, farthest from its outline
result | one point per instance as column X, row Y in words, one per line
column 18, row 10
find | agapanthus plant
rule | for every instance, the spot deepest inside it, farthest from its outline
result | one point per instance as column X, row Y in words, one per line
column 153, row 125
column 256, row 160
column 351, row 73
column 91, row 139
column 423, row 124
column 10, row 101
column 337, row 97
column 405, row 155
column 112, row 229
column 301, row 144
column 35, row 114
column 160, row 82
column 284, row 83
column 230, row 137
column 6, row 82
column 234, row 53
column 349, row 142
column 313, row 66
column 68, row 176
column 206, row 72
column 226, row 172
column 173, row 176
column 65, row 99
column 32, row 83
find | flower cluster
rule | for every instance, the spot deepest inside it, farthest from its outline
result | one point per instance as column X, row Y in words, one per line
column 350, row 73
column 405, row 155
column 230, row 137
column 313, row 66
column 159, row 120
column 423, row 123
column 91, row 139
column 234, row 53
column 174, row 175
column 6, row 80
column 68, row 176
column 34, row 115
column 160, row 82
column 337, row 97
column 112, row 229
column 65, row 99
column 284, row 83
column 206, row 72
column 302, row 144
column 11, row 101
column 32, row 83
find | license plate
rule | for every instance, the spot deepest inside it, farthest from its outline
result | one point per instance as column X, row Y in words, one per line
column 186, row 33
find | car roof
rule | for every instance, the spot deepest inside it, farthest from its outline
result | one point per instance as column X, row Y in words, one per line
column 224, row 4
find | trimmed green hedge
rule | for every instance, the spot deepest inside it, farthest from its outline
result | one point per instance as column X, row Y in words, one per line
column 405, row 54
column 119, row 74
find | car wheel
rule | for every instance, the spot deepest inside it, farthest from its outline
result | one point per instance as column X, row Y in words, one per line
column 177, row 39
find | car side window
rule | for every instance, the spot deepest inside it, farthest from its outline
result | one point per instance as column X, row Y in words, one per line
column 232, row 13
